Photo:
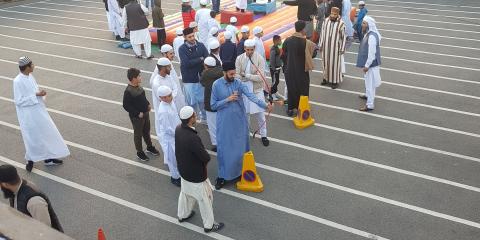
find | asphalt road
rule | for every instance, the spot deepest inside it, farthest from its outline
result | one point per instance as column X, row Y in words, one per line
column 408, row 170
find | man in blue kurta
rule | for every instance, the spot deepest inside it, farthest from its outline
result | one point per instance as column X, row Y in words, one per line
column 232, row 125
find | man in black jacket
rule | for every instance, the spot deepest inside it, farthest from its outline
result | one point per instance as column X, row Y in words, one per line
column 307, row 10
column 26, row 198
column 192, row 160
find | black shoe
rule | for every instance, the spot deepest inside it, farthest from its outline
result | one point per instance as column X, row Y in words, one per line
column 29, row 166
column 214, row 148
column 142, row 156
column 324, row 82
column 177, row 182
column 265, row 141
column 364, row 97
column 118, row 37
column 138, row 56
column 290, row 113
column 189, row 216
column 153, row 151
column 219, row 183
column 124, row 39
column 365, row 109
column 335, row 85
column 215, row 228
column 53, row 162
column 150, row 57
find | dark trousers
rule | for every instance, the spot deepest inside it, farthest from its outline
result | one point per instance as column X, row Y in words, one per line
column 216, row 6
column 275, row 74
column 161, row 37
column 141, row 128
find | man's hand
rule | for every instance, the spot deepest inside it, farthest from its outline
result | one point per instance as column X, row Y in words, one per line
column 232, row 97
column 41, row 93
column 149, row 107
column 269, row 107
column 140, row 115
column 365, row 69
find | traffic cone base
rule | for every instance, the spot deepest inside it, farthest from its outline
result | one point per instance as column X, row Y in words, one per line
column 304, row 117
column 250, row 181
column 101, row 235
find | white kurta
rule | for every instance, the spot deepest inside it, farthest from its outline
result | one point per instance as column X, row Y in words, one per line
column 259, row 48
column 141, row 36
column 167, row 119
column 372, row 76
column 177, row 42
column 171, row 82
column 242, row 4
column 347, row 6
column 40, row 135
column 234, row 31
column 204, row 27
column 115, row 13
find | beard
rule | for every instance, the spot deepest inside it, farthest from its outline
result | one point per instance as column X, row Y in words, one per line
column 333, row 19
column 7, row 193
column 229, row 79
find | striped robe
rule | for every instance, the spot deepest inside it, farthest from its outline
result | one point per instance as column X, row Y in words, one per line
column 332, row 43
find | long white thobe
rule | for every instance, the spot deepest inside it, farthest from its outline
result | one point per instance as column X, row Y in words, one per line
column 372, row 76
column 141, row 36
column 259, row 48
column 40, row 135
column 234, row 31
column 115, row 13
column 347, row 6
column 205, row 23
column 167, row 119
column 242, row 4
column 177, row 42
column 171, row 82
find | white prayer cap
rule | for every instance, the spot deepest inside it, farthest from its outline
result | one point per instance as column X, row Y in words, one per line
column 372, row 26
column 164, row 91
column 163, row 62
column 249, row 43
column 179, row 31
column 244, row 29
column 210, row 61
column 186, row 112
column 185, row 1
column 256, row 30
column 166, row 48
column 24, row 61
column 227, row 35
column 213, row 31
column 193, row 25
column 203, row 2
column 361, row 3
column 233, row 19
column 213, row 44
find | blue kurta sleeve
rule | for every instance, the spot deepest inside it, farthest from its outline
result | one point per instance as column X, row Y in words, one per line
column 252, row 96
column 215, row 102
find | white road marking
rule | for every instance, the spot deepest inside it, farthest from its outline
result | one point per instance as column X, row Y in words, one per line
column 426, row 27
column 112, row 198
column 45, row 15
column 57, row 24
column 428, row 14
column 417, row 3
column 75, row 6
column 58, row 10
column 224, row 191
column 431, row 35
column 421, row 8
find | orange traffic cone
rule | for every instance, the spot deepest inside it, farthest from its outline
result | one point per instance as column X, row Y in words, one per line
column 304, row 117
column 101, row 235
column 250, row 182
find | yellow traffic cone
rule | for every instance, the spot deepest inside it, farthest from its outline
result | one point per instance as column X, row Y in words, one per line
column 304, row 117
column 250, row 181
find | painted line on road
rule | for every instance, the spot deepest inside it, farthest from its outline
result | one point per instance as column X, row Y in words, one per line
column 111, row 198
column 428, row 14
column 429, row 9
column 58, row 10
column 328, row 153
column 224, row 191
column 63, row 34
column 422, row 26
column 76, row 6
column 417, row 3
column 431, row 35
column 44, row 15
column 57, row 24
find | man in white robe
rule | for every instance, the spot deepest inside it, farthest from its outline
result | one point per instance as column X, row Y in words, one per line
column 134, row 17
column 177, row 42
column 41, row 137
column 167, row 51
column 115, row 15
column 258, row 34
column 165, row 78
column 201, row 18
column 241, row 5
column 205, row 27
column 167, row 120
column 369, row 60
column 233, row 29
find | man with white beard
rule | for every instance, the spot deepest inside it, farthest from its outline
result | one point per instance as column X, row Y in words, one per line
column 41, row 137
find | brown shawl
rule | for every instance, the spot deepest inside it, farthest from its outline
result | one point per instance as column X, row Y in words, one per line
column 309, row 50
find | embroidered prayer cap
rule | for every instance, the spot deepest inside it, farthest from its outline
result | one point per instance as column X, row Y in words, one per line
column 210, row 61
column 249, row 43
column 186, row 112
column 204, row 2
column 24, row 61
column 213, row 31
column 179, row 32
column 335, row 10
column 166, row 48
column 227, row 35
column 361, row 3
column 191, row 25
column 213, row 44
column 187, row 31
column 164, row 91
column 8, row 173
column 256, row 30
column 227, row 66
column 244, row 29
column 163, row 62
column 233, row 20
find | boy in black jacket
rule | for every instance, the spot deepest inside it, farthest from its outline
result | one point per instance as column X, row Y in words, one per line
column 276, row 64
column 138, row 108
